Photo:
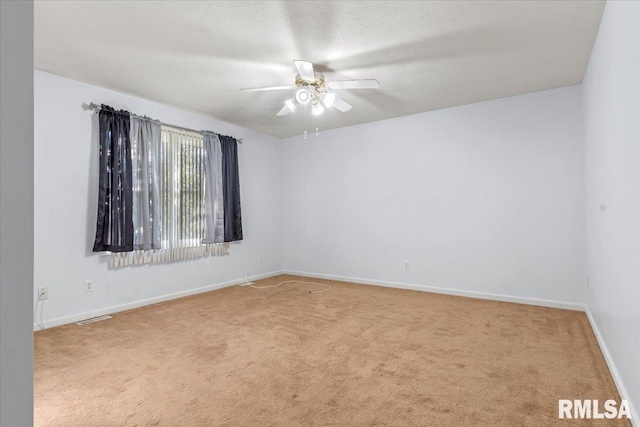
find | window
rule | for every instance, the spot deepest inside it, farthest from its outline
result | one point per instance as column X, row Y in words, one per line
column 181, row 197
column 182, row 189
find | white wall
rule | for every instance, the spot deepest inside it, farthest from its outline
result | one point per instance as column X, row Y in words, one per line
column 66, row 195
column 482, row 198
column 612, row 171
column 16, row 213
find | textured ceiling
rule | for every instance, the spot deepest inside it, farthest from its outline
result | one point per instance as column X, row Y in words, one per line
column 426, row 55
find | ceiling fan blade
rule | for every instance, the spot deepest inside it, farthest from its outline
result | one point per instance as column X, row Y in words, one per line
column 260, row 89
column 354, row 84
column 284, row 111
column 305, row 69
column 342, row 105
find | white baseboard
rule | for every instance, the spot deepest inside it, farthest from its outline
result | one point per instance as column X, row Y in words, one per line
column 457, row 292
column 612, row 367
column 50, row 323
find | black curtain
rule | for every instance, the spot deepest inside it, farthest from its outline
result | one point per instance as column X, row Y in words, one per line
column 231, row 189
column 114, row 226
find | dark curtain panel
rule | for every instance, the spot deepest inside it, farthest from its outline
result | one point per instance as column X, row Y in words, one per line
column 231, row 189
column 114, row 226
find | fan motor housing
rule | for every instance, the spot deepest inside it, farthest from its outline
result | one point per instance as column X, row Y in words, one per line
column 317, row 83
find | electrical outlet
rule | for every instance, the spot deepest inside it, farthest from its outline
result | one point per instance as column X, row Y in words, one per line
column 88, row 286
column 406, row 265
column 43, row 294
column 260, row 258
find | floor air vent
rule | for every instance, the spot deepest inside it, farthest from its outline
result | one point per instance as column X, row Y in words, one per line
column 93, row 320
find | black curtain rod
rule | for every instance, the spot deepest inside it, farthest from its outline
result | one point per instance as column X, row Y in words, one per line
column 96, row 107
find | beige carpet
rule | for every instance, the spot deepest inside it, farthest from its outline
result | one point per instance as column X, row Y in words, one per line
column 356, row 355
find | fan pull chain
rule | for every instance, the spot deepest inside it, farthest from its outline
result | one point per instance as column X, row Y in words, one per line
column 305, row 121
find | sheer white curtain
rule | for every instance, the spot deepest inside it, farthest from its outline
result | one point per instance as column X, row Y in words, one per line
column 145, row 154
column 214, row 196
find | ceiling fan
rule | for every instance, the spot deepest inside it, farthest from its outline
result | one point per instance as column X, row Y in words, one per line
column 311, row 87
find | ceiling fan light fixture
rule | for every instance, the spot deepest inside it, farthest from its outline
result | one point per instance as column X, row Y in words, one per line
column 317, row 108
column 311, row 87
column 303, row 96
column 328, row 99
